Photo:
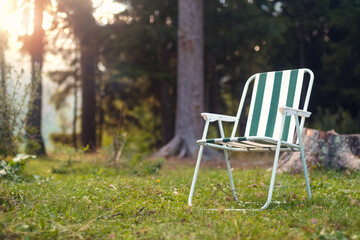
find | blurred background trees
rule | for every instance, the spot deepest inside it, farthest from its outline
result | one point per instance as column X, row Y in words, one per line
column 127, row 68
column 79, row 18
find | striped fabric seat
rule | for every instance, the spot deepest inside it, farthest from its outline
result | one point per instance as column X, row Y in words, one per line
column 250, row 143
column 272, row 120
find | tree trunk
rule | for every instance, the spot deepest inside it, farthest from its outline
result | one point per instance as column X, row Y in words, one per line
column 88, row 117
column 167, row 120
column 324, row 149
column 83, row 23
column 190, row 81
column 101, row 115
column 35, row 108
column 74, row 137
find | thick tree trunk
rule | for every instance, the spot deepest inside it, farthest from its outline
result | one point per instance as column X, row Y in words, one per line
column 190, row 81
column 324, row 149
column 37, row 49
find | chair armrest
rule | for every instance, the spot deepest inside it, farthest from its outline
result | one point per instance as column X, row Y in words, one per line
column 212, row 117
column 287, row 111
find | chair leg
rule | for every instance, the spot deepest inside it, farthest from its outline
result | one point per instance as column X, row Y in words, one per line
column 227, row 159
column 195, row 175
column 305, row 171
column 272, row 182
column 302, row 155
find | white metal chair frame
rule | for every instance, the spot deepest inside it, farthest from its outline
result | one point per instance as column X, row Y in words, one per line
column 280, row 144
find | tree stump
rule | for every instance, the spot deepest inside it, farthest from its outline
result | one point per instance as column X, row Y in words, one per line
column 324, row 149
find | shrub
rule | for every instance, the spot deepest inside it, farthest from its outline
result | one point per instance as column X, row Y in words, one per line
column 14, row 99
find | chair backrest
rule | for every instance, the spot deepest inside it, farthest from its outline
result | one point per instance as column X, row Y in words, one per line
column 273, row 90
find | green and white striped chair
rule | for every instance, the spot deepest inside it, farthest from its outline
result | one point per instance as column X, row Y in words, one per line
column 272, row 120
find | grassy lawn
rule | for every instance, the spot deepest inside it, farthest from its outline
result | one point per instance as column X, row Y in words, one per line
column 87, row 199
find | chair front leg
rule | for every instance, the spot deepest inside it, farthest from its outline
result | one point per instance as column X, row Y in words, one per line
column 198, row 162
column 195, row 175
column 302, row 155
column 276, row 159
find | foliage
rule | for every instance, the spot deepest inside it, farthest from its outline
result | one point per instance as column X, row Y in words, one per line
column 239, row 41
column 341, row 60
column 341, row 121
column 322, row 36
column 139, row 52
column 98, row 202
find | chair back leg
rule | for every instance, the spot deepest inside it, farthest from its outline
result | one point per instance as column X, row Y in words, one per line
column 227, row 160
column 273, row 174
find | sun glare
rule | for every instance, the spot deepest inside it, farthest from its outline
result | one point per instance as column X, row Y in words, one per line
column 105, row 10
column 15, row 17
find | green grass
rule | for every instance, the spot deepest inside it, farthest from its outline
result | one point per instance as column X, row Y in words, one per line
column 86, row 199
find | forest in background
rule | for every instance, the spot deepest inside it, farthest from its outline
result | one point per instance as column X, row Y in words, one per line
column 126, row 69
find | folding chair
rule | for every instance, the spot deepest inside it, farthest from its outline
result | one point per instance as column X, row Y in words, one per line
column 270, row 126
